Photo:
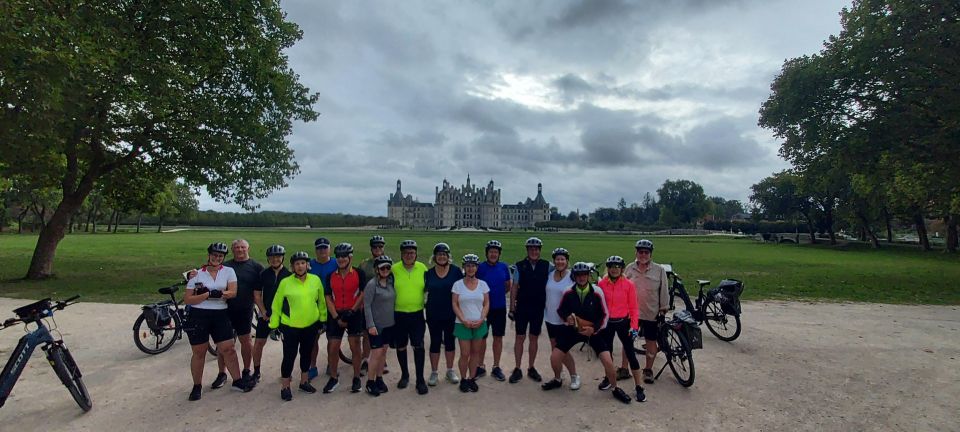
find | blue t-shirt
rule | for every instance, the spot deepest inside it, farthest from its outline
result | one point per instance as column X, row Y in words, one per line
column 323, row 271
column 496, row 276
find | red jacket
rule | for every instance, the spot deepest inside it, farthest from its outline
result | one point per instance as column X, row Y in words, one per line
column 621, row 297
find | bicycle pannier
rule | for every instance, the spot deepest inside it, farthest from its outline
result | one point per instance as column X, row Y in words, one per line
column 727, row 293
column 690, row 329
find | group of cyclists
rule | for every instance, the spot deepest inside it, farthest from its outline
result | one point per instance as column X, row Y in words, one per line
column 381, row 304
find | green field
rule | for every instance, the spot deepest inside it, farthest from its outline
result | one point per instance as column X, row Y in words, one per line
column 126, row 267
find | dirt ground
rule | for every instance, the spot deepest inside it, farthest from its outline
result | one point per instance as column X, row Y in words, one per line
column 797, row 366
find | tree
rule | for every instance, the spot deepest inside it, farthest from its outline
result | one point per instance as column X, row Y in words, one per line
column 681, row 202
column 198, row 88
column 778, row 197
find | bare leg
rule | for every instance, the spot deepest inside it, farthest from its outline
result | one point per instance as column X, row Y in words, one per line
column 355, row 351
column 651, row 347
column 434, row 361
column 464, row 362
column 449, row 357
column 333, row 357
column 477, row 346
column 230, row 358
column 246, row 350
column 534, row 342
column 609, row 370
column 196, row 362
column 497, row 350
column 557, row 358
column 518, row 349
column 258, row 345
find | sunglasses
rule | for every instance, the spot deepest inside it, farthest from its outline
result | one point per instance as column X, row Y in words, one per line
column 384, row 267
column 343, row 256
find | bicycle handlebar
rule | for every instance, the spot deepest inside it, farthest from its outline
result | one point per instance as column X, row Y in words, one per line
column 64, row 303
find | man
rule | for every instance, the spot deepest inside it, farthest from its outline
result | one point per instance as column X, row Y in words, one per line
column 344, row 297
column 650, row 280
column 410, row 323
column 240, row 308
column 497, row 276
column 377, row 247
column 322, row 266
column 528, row 298
column 263, row 296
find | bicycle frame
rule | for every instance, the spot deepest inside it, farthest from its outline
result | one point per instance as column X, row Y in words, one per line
column 677, row 288
column 18, row 359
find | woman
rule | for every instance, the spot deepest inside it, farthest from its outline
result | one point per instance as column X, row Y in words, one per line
column 206, row 295
column 557, row 284
column 471, row 303
column 299, row 320
column 621, row 297
column 440, row 316
column 379, row 300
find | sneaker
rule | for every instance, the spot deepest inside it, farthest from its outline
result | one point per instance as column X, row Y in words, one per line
column 481, row 372
column 452, row 376
column 640, row 395
column 604, row 385
column 516, row 376
column 648, row 376
column 255, row 376
column 382, row 386
column 464, row 386
column 434, row 378
column 422, row 387
column 497, row 374
column 285, row 394
column 534, row 375
column 364, row 366
column 309, row 388
column 242, row 385
column 312, row 373
column 473, row 385
column 219, row 381
column 552, row 384
column 372, row 388
column 195, row 393
column 355, row 387
column 403, row 383
column 245, row 374
column 574, row 382
column 332, row 384
column 621, row 395
column 623, row 373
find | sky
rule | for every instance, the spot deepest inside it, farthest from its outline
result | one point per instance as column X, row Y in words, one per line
column 597, row 100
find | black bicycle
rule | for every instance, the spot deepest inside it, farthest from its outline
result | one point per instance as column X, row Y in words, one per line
column 719, row 307
column 57, row 353
column 163, row 323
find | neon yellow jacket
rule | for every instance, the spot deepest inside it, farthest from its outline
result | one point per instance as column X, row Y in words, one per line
column 298, row 303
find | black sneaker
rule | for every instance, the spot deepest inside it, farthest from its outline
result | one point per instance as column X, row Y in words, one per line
column 422, row 387
column 464, row 385
column 534, row 375
column 242, row 385
column 497, row 374
column 552, row 384
column 195, row 393
column 286, row 394
column 648, row 376
column 621, row 395
column 364, row 366
column 219, row 381
column 404, row 382
column 355, row 388
column 382, row 385
column 481, row 372
column 623, row 373
column 332, row 384
column 605, row 384
column 473, row 385
column 308, row 388
column 256, row 376
column 245, row 374
column 640, row 395
column 516, row 376
column 372, row 388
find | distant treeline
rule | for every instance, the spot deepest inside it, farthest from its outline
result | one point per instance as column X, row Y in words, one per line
column 267, row 219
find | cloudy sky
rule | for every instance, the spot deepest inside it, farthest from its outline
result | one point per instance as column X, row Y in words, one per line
column 595, row 99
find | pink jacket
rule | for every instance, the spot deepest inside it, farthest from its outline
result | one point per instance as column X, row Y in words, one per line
column 621, row 297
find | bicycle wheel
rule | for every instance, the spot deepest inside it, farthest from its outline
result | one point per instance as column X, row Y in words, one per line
column 720, row 323
column 679, row 356
column 69, row 374
column 156, row 342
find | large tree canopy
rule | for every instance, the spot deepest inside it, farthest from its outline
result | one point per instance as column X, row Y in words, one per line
column 195, row 89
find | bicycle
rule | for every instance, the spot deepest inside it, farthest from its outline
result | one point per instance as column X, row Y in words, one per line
column 163, row 323
column 719, row 308
column 673, row 343
column 57, row 353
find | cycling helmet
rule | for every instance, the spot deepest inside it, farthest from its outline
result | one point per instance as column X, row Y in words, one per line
column 580, row 268
column 494, row 244
column 472, row 259
column 534, row 242
column 377, row 240
column 645, row 244
column 276, row 250
column 616, row 261
column 441, row 247
column 381, row 260
column 408, row 244
column 299, row 256
column 343, row 249
column 321, row 242
column 220, row 248
column 560, row 251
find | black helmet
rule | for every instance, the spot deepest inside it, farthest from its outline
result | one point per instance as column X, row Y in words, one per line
column 441, row 247
column 645, row 244
column 321, row 242
column 377, row 240
column 560, row 251
column 381, row 260
column 220, row 248
column 471, row 259
column 276, row 250
column 579, row 268
column 494, row 244
column 299, row 256
column 534, row 242
column 615, row 261
column 408, row 244
column 343, row 250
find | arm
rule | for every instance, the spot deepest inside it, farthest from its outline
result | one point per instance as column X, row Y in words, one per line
column 363, row 283
column 513, row 294
column 632, row 304
column 191, row 299
column 664, row 292
column 456, row 308
column 486, row 307
column 258, row 299
column 565, row 310
column 231, row 291
column 327, row 295
column 277, row 305
column 368, row 307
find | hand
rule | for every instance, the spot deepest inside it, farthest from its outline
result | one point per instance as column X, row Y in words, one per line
column 216, row 294
column 201, row 290
column 634, row 333
column 587, row 331
column 192, row 274
column 372, row 331
column 266, row 318
column 342, row 323
column 571, row 320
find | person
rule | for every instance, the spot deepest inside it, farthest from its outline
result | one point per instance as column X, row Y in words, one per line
column 497, row 276
column 240, row 308
column 379, row 302
column 263, row 295
column 377, row 246
column 322, row 266
column 528, row 300
column 621, row 297
column 206, row 294
column 584, row 311
column 650, row 281
column 440, row 316
column 410, row 285
column 558, row 283
column 344, row 297
column 471, row 303
column 300, row 309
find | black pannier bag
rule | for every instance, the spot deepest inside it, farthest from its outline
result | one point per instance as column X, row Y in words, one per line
column 689, row 328
column 727, row 294
column 156, row 316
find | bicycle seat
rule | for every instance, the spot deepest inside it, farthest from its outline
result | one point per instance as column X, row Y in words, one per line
column 168, row 290
column 703, row 282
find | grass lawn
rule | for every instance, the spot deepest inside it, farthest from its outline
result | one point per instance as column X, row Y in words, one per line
column 127, row 267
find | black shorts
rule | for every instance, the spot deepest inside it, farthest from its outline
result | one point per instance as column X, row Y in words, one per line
column 497, row 321
column 648, row 329
column 355, row 325
column 205, row 324
column 529, row 317
column 408, row 327
column 382, row 339
column 241, row 319
column 553, row 330
column 262, row 329
column 567, row 338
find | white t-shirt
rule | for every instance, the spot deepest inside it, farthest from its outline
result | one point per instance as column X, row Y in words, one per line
column 471, row 301
column 555, row 292
column 225, row 275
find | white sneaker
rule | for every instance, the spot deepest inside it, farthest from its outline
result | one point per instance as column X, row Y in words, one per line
column 433, row 379
column 452, row 376
column 574, row 382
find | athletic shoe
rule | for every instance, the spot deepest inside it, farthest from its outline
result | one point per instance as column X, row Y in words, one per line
column 355, row 388
column 285, row 394
column 242, row 385
column 648, row 376
column 256, row 376
column 434, row 378
column 422, row 387
column 481, row 372
column 552, row 384
column 623, row 373
column 195, row 393
column 516, row 376
column 364, row 366
column 452, row 376
column 332, row 384
column 574, row 382
column 403, row 383
column 464, row 386
column 604, row 385
column 312, row 373
column 382, row 386
column 534, row 375
column 621, row 395
column 473, row 385
column 308, row 388
column 497, row 374
column 372, row 388
column 219, row 381
column 640, row 395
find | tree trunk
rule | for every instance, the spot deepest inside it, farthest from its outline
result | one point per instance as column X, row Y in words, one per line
column 813, row 231
column 160, row 225
column 921, row 231
column 116, row 220
column 41, row 265
column 874, row 242
column 96, row 214
column 828, row 215
column 952, row 236
column 20, row 222
column 139, row 219
column 110, row 221
column 888, row 219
